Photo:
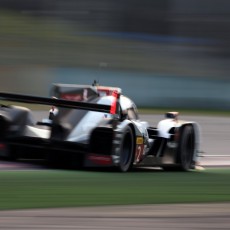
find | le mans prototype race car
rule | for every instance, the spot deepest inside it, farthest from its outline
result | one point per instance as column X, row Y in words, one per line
column 91, row 126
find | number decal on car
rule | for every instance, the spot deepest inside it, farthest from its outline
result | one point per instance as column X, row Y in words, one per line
column 139, row 149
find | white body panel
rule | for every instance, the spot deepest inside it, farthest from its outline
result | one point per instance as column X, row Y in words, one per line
column 37, row 132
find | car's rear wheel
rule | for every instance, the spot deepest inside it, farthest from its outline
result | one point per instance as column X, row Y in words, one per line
column 186, row 149
column 127, row 150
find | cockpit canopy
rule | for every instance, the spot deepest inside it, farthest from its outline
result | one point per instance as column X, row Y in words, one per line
column 128, row 107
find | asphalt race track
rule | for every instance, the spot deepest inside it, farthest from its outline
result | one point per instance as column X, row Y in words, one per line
column 215, row 150
column 162, row 217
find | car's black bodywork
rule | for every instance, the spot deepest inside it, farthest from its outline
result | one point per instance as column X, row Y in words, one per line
column 95, row 126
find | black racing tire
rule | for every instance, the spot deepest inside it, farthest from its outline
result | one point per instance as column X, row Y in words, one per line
column 186, row 148
column 127, row 150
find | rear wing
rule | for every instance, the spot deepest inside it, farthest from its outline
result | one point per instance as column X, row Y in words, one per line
column 76, row 92
column 61, row 103
column 72, row 92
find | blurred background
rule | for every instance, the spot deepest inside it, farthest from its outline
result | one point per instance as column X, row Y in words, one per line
column 162, row 53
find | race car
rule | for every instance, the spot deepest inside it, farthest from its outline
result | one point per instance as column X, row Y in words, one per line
column 95, row 126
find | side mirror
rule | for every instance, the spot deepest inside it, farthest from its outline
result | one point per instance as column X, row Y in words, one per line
column 172, row 115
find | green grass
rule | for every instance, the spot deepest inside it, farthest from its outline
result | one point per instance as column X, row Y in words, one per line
column 43, row 189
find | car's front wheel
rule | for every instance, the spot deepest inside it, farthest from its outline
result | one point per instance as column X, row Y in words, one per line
column 186, row 149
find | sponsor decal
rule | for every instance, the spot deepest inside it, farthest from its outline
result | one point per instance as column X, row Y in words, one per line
column 100, row 159
column 72, row 97
column 140, row 140
column 107, row 91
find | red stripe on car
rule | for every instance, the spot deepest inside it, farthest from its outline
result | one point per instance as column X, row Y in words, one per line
column 114, row 102
column 100, row 159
